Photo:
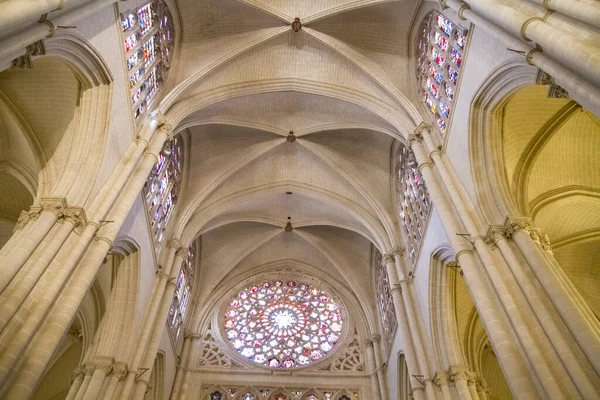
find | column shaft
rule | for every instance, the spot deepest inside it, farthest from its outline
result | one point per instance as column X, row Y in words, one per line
column 26, row 247
column 372, row 368
column 519, row 309
column 516, row 373
column 65, row 310
column 570, row 313
column 379, row 365
column 564, row 351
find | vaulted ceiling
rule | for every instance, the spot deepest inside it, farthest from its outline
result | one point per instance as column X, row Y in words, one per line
column 244, row 80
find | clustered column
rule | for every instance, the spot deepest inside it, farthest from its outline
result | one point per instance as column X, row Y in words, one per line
column 552, row 359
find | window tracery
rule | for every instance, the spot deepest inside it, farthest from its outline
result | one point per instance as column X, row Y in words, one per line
column 441, row 44
column 385, row 303
column 162, row 189
column 278, row 393
column 414, row 205
column 283, row 324
column 182, row 294
column 148, row 41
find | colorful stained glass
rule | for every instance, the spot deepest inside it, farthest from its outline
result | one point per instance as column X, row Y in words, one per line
column 456, row 57
column 248, row 396
column 155, row 50
column 444, row 108
column 148, row 50
column 438, row 57
column 128, row 21
column 328, row 395
column 283, row 325
column 135, row 78
column 136, row 96
column 413, row 200
column 151, row 85
column 312, row 397
column 449, row 92
column 232, row 392
column 130, row 42
column 387, row 311
column 452, row 75
column 441, row 122
column 264, row 393
column 216, row 395
column 432, row 88
column 145, row 18
column 280, row 396
column 445, row 24
column 441, row 41
column 461, row 39
column 344, row 397
column 133, row 60
column 430, row 103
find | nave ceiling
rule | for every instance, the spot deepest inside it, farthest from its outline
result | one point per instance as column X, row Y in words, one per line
column 244, row 80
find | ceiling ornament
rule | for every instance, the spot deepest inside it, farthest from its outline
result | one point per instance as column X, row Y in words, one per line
column 296, row 25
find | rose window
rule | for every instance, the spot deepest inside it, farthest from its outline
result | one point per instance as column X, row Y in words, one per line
column 283, row 324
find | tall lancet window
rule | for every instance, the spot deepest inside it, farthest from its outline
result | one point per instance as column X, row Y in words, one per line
column 148, row 41
column 440, row 47
column 385, row 303
column 162, row 190
column 181, row 297
column 413, row 201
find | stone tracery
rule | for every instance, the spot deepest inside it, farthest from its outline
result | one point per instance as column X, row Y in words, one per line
column 283, row 324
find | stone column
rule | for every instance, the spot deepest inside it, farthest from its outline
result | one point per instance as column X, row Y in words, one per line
column 482, row 389
column 517, row 375
column 103, row 368
column 520, row 314
column 119, row 371
column 175, row 256
column 64, row 310
column 372, row 368
column 379, row 364
column 74, row 389
column 409, row 352
column 183, row 367
column 67, row 220
column 441, row 380
column 88, row 372
column 497, row 236
column 157, row 331
column 44, row 217
column 572, row 315
column 472, row 383
column 460, row 379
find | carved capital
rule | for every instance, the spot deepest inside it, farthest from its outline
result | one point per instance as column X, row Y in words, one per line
column 120, row 370
column 545, row 242
column 89, row 369
column 494, row 234
column 105, row 364
column 182, row 253
column 56, row 205
column 159, row 117
column 423, row 126
column 415, row 137
column 75, row 216
column 441, row 379
column 534, row 233
column 23, row 220
column 35, row 49
column 514, row 225
column 174, row 244
column 388, row 259
column 481, row 385
column 397, row 251
column 554, row 90
column 192, row 335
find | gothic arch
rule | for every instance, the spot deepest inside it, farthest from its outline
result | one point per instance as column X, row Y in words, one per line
column 442, row 295
column 493, row 194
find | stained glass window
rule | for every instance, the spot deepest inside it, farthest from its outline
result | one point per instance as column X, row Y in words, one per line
column 385, row 303
column 248, row 396
column 283, row 324
column 280, row 396
column 439, row 58
column 413, row 200
column 216, row 395
column 312, row 397
column 297, row 394
column 162, row 190
column 148, row 37
column 181, row 297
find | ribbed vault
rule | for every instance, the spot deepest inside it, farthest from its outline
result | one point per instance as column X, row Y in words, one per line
column 291, row 128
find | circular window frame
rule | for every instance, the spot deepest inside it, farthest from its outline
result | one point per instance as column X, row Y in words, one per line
column 229, row 295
